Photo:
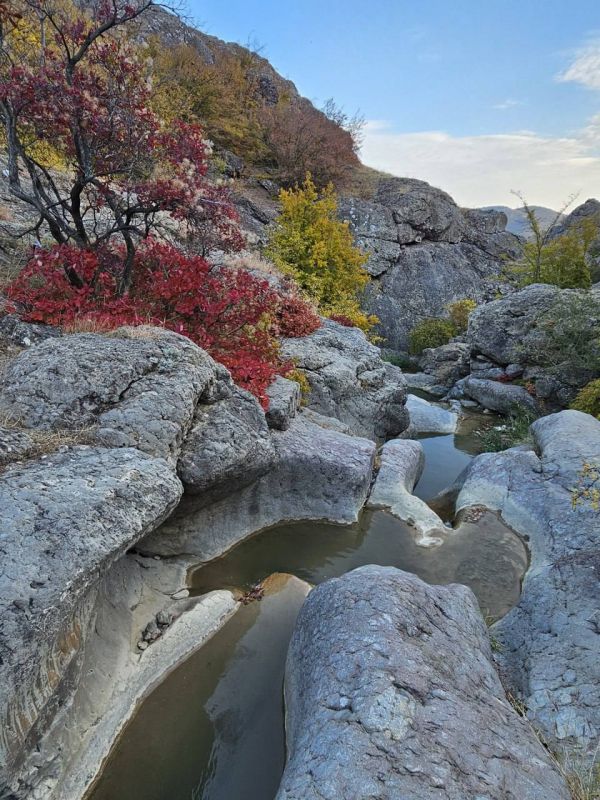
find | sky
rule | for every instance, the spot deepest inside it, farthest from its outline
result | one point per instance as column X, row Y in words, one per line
column 478, row 97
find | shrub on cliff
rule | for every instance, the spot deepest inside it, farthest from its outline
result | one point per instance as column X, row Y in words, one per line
column 432, row 332
column 459, row 313
column 310, row 244
column 232, row 314
column 588, row 399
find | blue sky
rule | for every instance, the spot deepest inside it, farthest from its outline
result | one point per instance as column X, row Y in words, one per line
column 476, row 96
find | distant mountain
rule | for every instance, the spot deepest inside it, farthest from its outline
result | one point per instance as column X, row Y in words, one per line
column 517, row 218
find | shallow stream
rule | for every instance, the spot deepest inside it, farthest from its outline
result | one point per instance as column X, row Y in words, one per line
column 214, row 728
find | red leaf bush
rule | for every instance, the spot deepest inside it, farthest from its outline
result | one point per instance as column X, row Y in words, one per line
column 232, row 314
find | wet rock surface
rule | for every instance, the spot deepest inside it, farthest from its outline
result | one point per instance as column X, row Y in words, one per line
column 349, row 380
column 549, row 645
column 391, row 692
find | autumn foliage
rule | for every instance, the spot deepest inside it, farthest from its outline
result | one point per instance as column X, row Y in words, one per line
column 235, row 316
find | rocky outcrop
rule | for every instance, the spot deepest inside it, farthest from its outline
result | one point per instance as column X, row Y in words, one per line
column 137, row 388
column 349, row 381
column 549, row 645
column 508, row 340
column 425, row 252
column 318, row 474
column 284, row 401
column 391, row 692
column 447, row 363
column 401, row 463
column 64, row 521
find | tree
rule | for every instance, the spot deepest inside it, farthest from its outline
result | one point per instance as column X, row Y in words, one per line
column 313, row 246
column 88, row 94
column 302, row 139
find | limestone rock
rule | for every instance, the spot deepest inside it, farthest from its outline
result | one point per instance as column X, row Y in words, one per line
column 391, row 692
column 501, row 397
column 401, row 465
column 448, row 363
column 284, row 401
column 349, row 380
column 227, row 447
column 426, row 417
column 15, row 331
column 138, row 386
column 550, row 643
column 318, row 474
column 63, row 521
column 13, row 444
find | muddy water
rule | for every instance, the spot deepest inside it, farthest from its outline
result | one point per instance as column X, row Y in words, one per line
column 214, row 728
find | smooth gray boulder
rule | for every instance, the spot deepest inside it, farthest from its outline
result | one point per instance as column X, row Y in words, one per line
column 284, row 401
column 319, row 474
column 138, row 386
column 401, row 463
column 349, row 381
column 426, row 417
column 504, row 398
column 391, row 692
column 63, row 521
column 227, row 447
column 550, row 643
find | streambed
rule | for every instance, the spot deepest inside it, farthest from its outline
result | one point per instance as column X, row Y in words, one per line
column 214, row 728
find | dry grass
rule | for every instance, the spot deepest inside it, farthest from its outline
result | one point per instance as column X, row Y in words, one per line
column 44, row 442
column 86, row 325
column 251, row 261
column 581, row 773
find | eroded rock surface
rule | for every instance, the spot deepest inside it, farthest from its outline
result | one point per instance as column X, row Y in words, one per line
column 63, row 521
column 391, row 692
column 349, row 380
column 426, row 417
column 550, row 643
column 139, row 387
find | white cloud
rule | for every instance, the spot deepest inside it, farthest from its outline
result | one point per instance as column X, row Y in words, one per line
column 507, row 104
column 585, row 68
column 482, row 170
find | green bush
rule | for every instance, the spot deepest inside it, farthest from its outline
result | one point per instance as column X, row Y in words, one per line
column 514, row 431
column 588, row 399
column 430, row 333
column 459, row 313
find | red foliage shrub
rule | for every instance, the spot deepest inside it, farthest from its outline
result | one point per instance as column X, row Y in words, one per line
column 232, row 314
column 342, row 320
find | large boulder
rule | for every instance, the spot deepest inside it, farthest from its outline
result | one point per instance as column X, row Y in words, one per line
column 426, row 417
column 504, row 398
column 227, row 447
column 349, row 381
column 447, row 363
column 138, row 387
column 509, row 338
column 63, row 521
column 391, row 692
column 549, row 645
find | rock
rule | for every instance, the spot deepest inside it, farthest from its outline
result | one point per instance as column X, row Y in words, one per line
column 349, row 380
column 401, row 465
column 423, row 382
column 550, row 643
column 227, row 447
column 391, row 693
column 319, row 474
column 14, row 444
column 448, row 363
column 284, row 401
column 504, row 398
column 329, row 423
column 138, row 386
column 141, row 645
column 425, row 417
column 63, row 522
column 181, row 594
column 423, row 281
column 24, row 334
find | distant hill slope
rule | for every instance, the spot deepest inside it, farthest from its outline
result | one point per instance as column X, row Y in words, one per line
column 517, row 218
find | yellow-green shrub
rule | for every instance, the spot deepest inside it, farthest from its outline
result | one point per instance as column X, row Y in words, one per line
column 299, row 376
column 459, row 313
column 311, row 245
column 430, row 333
column 588, row 399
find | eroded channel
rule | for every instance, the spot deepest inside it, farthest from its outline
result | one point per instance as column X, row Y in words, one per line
column 214, row 728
